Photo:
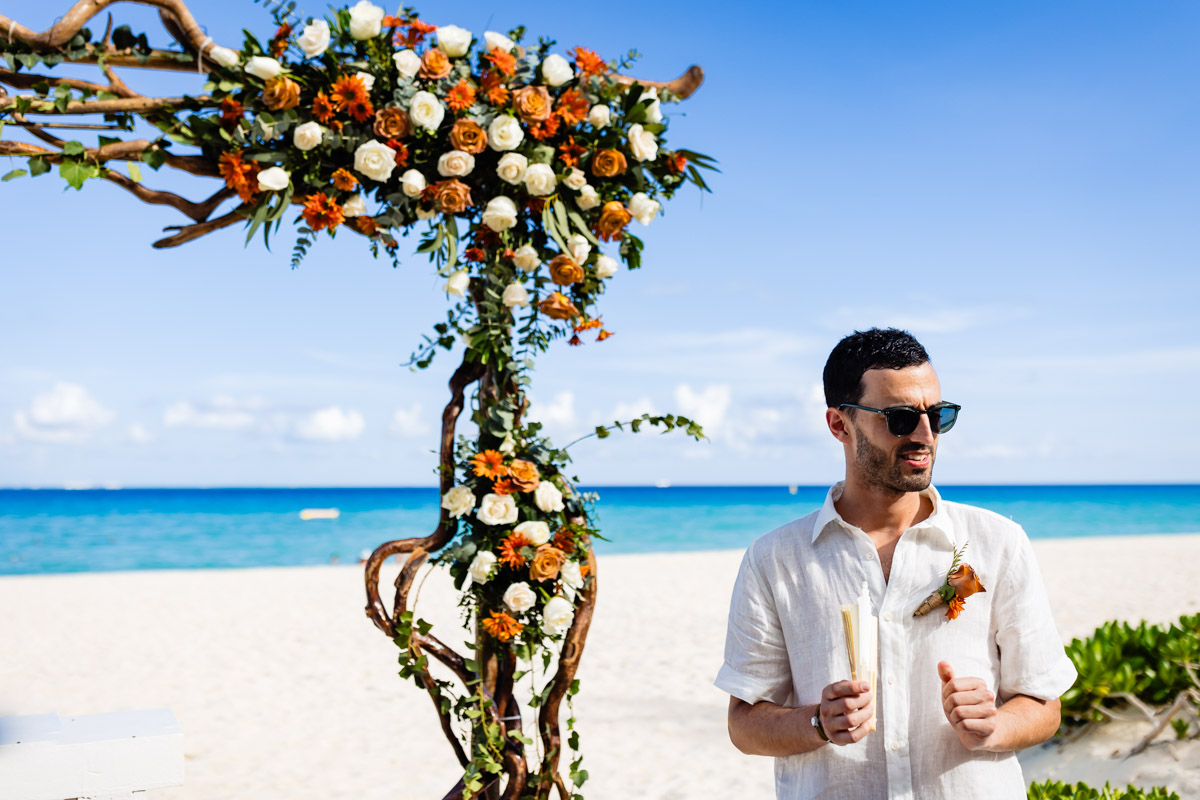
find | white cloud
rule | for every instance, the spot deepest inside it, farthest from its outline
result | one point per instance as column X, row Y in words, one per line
column 559, row 412
column 629, row 410
column 139, row 434
column 220, row 413
column 409, row 423
column 707, row 406
column 67, row 413
column 330, row 425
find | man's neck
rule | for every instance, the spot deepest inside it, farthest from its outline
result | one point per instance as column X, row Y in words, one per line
column 879, row 512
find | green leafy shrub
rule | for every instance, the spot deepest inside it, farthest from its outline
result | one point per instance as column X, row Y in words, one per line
column 1149, row 662
column 1057, row 790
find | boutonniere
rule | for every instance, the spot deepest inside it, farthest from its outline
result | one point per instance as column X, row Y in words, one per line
column 961, row 583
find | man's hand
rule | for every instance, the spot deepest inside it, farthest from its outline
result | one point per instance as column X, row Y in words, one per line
column 970, row 707
column 845, row 707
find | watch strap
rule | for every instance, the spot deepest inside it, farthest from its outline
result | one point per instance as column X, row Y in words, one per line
column 816, row 723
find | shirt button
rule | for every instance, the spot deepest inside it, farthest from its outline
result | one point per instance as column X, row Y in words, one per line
column 895, row 746
column 887, row 617
column 870, row 556
column 891, row 679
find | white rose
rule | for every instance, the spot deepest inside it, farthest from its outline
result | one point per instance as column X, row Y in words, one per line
column 407, row 62
column 224, row 56
column 576, row 179
column 571, row 575
column 375, row 160
column 536, row 533
column 426, row 110
column 274, row 179
column 458, row 501
column 505, row 133
column 547, row 497
column 481, row 567
column 498, row 40
column 496, row 509
column 643, row 208
column 526, row 259
column 315, row 38
column 426, row 213
column 556, row 70
column 653, row 111
column 500, row 214
column 557, row 616
column 453, row 40
column 642, row 143
column 519, row 597
column 412, row 183
column 269, row 132
column 599, row 116
column 511, row 168
column 588, row 198
column 515, row 295
column 457, row 286
column 263, row 67
column 354, row 207
column 455, row 164
column 306, row 136
column 368, row 80
column 578, row 248
column 606, row 267
column 509, row 445
column 366, row 20
column 539, row 179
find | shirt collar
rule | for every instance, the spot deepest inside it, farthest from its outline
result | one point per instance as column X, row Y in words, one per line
column 937, row 521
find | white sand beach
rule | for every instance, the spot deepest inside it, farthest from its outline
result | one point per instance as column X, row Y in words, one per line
column 284, row 689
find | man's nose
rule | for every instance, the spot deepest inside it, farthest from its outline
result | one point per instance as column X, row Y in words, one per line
column 924, row 432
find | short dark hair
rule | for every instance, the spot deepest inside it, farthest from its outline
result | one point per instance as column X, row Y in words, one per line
column 877, row 348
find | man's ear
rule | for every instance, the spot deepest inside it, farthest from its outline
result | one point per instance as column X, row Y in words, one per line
column 836, row 420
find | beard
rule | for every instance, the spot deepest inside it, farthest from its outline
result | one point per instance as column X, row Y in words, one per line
column 882, row 470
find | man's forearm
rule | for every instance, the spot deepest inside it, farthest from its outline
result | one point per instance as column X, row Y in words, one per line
column 1024, row 721
column 765, row 729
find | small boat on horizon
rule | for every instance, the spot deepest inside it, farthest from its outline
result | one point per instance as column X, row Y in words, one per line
column 320, row 513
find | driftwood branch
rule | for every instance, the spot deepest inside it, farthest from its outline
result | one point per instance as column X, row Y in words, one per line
column 189, row 232
column 136, row 105
column 196, row 211
column 684, row 86
column 1165, row 718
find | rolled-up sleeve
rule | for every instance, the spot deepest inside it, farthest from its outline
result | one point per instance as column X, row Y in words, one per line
column 756, row 661
column 1033, row 660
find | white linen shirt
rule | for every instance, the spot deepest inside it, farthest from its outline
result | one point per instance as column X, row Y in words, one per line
column 785, row 644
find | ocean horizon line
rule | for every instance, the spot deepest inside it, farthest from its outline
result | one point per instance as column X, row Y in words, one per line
column 587, row 486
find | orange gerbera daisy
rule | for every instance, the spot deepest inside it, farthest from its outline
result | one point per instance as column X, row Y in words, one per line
column 231, row 111
column 502, row 626
column 239, row 175
column 348, row 89
column 600, row 337
column 364, row 225
column 401, row 152
column 570, row 152
column 461, row 97
column 505, row 486
column 587, row 325
column 475, row 254
column 344, row 180
column 417, row 31
column 360, row 109
column 575, row 341
column 676, row 163
column 323, row 108
column 502, row 61
column 544, row 129
column 489, row 464
column 957, row 604
column 588, row 62
column 572, row 107
column 494, row 92
column 510, row 550
column 321, row 211
column 279, row 41
column 564, row 540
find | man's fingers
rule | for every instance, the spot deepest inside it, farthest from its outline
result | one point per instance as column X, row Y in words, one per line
column 975, row 697
column 844, row 689
column 945, row 671
column 956, row 685
column 979, row 711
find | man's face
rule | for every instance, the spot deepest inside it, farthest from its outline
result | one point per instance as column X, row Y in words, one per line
column 882, row 460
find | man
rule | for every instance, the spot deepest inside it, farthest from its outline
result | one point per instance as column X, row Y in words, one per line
column 954, row 698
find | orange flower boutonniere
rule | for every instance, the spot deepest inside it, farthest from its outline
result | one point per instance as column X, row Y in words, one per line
column 961, row 583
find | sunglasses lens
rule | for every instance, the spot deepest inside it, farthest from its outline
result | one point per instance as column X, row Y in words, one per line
column 902, row 421
column 946, row 419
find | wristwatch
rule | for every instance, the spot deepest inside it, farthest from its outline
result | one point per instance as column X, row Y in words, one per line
column 816, row 723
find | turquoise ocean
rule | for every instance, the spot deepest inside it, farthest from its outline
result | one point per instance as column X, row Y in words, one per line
column 50, row 531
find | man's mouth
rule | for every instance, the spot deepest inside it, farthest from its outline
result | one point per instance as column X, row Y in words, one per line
column 917, row 459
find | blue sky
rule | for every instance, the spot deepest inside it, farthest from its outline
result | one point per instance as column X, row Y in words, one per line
column 1017, row 183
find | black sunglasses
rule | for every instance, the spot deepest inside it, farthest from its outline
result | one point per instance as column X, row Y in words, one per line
column 903, row 420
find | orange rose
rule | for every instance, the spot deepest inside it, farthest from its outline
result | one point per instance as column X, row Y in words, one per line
column 965, row 582
column 557, row 306
column 435, row 64
column 452, row 196
column 608, row 163
column 392, row 123
column 468, row 137
column 547, row 561
column 613, row 219
column 532, row 103
column 564, row 271
column 524, row 475
column 281, row 93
